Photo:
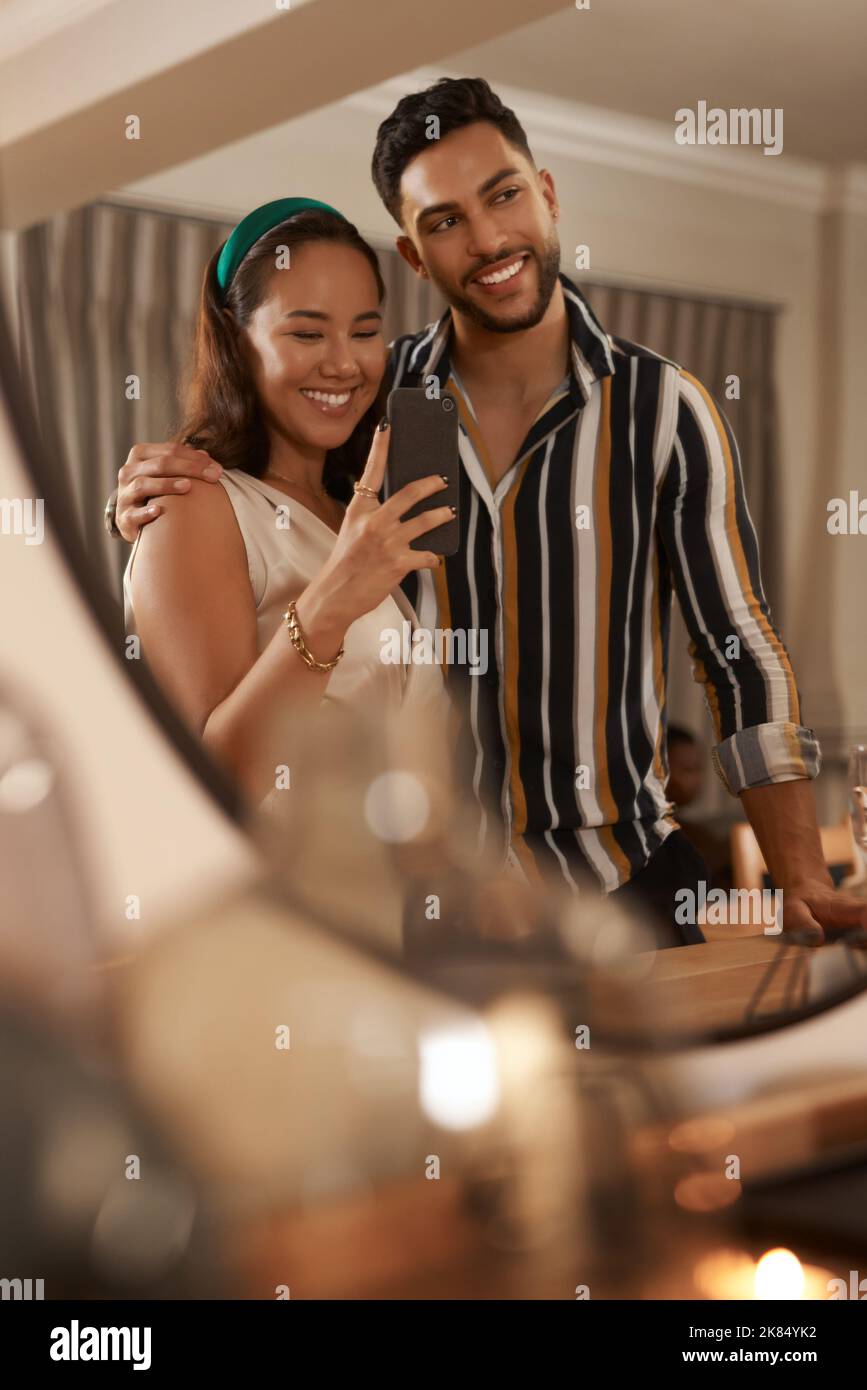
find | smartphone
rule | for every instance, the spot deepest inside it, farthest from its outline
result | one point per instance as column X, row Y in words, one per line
column 423, row 439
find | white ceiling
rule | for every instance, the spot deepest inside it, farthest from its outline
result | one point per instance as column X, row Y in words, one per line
column 24, row 23
column 649, row 57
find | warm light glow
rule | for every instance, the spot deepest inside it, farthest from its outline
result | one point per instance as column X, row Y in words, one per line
column 701, row 1135
column 706, row 1191
column 779, row 1275
column 730, row 1274
column 459, row 1086
column 396, row 807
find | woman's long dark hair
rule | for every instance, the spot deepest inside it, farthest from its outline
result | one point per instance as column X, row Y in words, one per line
column 221, row 412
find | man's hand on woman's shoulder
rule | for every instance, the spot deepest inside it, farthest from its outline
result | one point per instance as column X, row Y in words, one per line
column 157, row 470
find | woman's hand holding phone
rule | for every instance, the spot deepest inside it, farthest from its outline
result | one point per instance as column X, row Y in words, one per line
column 372, row 553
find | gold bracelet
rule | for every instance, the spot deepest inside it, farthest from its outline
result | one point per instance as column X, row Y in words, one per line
column 296, row 637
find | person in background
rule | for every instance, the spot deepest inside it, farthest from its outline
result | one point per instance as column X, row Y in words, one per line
column 686, row 767
column 685, row 785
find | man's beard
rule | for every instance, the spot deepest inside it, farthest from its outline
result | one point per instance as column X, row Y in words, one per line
column 549, row 269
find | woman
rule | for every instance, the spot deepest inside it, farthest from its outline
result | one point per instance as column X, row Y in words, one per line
column 275, row 587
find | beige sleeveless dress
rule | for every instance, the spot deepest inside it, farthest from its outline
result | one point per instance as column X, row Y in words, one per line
column 286, row 546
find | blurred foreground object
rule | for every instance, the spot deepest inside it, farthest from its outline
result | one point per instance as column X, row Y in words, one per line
column 48, row 942
column 302, row 1080
column 92, row 1201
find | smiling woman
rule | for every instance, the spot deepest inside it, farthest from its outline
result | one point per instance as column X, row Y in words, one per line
column 253, row 355
column 289, row 361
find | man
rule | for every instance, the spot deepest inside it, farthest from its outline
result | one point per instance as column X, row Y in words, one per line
column 595, row 476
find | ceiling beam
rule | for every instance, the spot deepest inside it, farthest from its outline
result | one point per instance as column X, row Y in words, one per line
column 300, row 60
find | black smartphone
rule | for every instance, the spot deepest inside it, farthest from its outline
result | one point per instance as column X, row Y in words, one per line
column 423, row 439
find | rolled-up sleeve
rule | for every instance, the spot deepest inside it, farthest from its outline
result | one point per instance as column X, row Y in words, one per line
column 738, row 656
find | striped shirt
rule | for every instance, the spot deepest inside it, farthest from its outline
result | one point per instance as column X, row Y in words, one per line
column 628, row 484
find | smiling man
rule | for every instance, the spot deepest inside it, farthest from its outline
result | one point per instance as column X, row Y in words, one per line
column 597, row 477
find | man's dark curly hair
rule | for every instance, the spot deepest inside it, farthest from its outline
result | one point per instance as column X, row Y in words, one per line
column 456, row 102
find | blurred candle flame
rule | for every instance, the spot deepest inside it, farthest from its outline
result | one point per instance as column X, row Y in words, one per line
column 779, row 1274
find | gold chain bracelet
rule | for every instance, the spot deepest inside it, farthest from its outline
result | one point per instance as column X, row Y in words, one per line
column 296, row 637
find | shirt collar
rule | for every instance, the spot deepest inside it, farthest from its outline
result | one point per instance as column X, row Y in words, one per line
column 591, row 357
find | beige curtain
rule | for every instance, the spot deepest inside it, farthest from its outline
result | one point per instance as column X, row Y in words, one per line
column 411, row 302
column 714, row 340
column 108, row 294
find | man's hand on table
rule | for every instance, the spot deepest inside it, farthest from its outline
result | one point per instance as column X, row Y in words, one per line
column 818, row 910
column 783, row 816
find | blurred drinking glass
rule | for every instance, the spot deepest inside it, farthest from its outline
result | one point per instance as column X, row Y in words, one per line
column 858, row 796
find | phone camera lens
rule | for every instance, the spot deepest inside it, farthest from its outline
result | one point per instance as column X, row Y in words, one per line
column 448, row 403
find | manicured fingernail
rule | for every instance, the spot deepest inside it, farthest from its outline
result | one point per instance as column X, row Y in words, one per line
column 152, row 509
column 453, row 510
column 213, row 470
column 181, row 484
column 383, row 424
column 445, row 477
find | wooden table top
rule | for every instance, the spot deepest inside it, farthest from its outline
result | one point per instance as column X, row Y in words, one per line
column 720, row 984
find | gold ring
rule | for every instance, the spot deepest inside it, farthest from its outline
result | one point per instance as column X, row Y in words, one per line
column 366, row 491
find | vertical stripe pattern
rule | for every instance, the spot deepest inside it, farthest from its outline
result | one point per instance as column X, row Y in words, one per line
column 626, row 491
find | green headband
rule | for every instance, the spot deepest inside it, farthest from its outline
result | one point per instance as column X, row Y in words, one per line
column 255, row 225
